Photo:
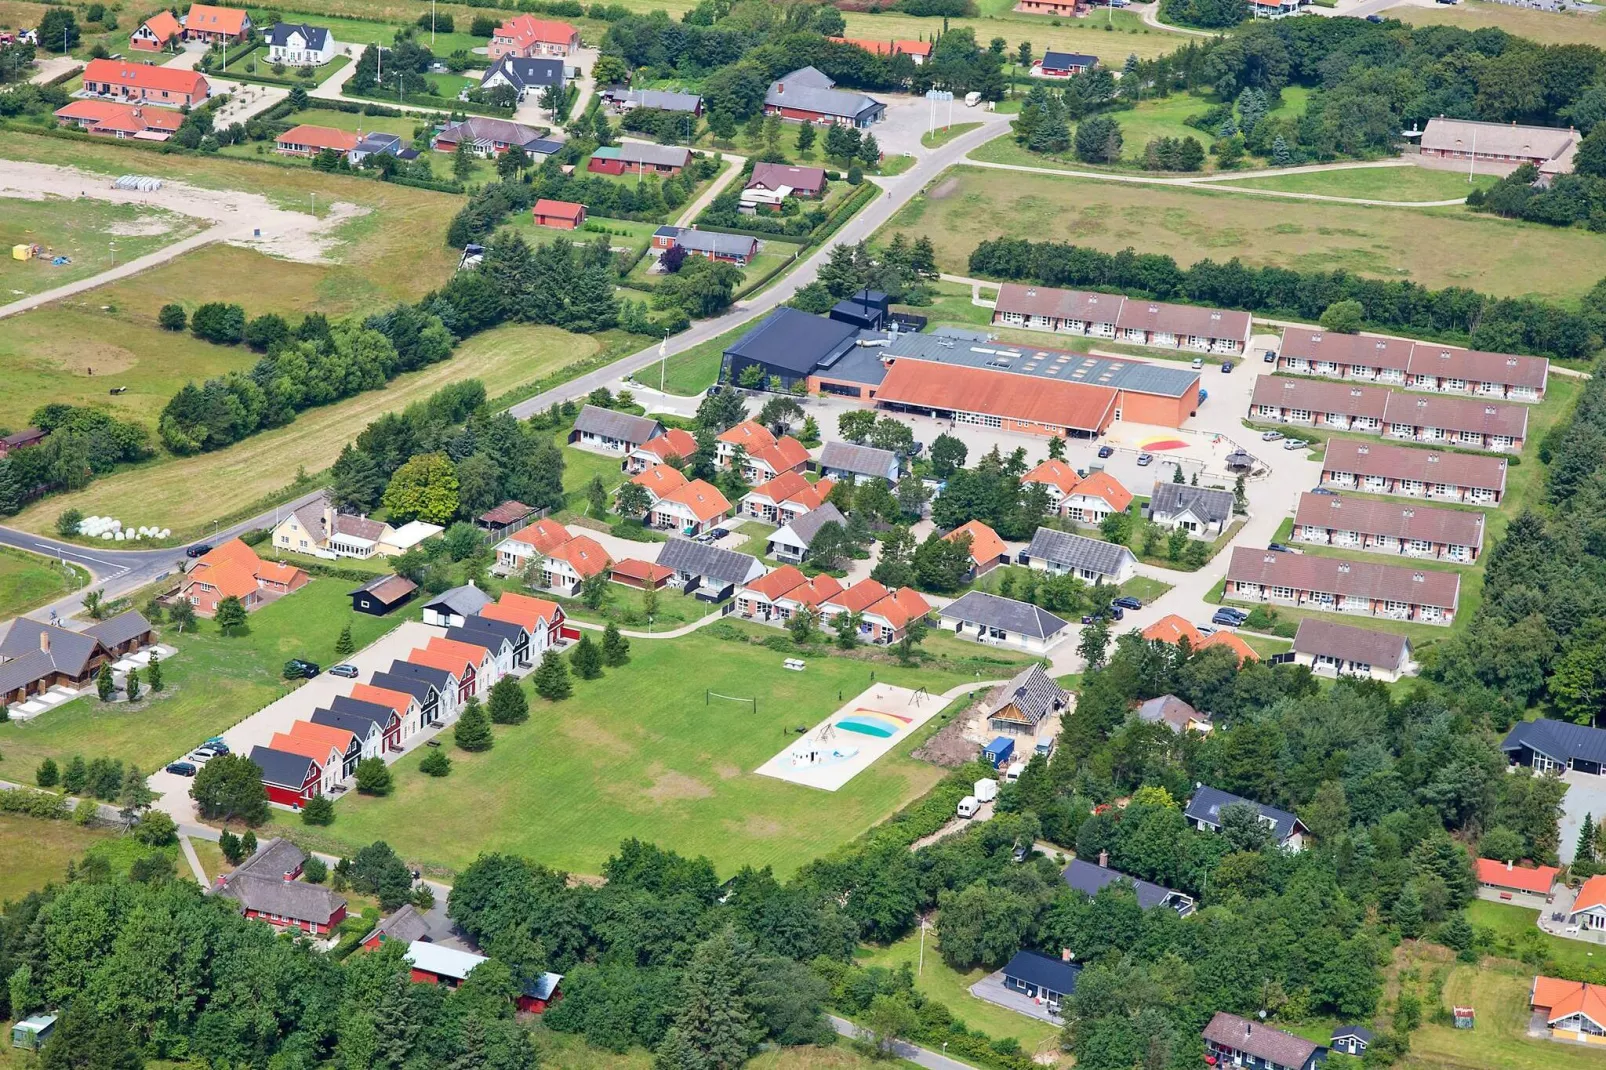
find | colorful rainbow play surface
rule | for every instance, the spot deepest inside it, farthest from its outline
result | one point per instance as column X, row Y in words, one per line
column 1163, row 444
column 873, row 723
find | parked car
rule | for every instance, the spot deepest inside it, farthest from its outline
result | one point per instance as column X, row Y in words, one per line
column 1226, row 367
column 1374, row 18
column 1126, row 601
column 202, row 754
column 1022, row 853
column 719, row 533
column 298, row 668
column 1106, row 451
column 1295, row 444
column 1198, row 362
column 1270, row 436
column 1232, row 618
column 1324, row 490
column 217, row 744
column 1145, row 459
column 1116, row 612
column 1270, row 357
column 181, row 769
column 200, row 549
column 1204, row 395
column 1281, row 548
column 345, row 670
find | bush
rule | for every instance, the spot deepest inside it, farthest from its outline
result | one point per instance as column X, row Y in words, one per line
column 318, row 810
column 156, row 829
column 47, row 775
column 67, row 523
column 171, row 317
column 435, row 763
column 219, row 322
column 373, row 777
column 316, row 870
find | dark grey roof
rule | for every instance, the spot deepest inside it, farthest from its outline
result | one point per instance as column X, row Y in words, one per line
column 379, row 142
column 477, row 631
column 69, row 651
column 439, row 679
column 1366, row 1036
column 713, row 241
column 273, row 860
column 809, row 524
column 996, row 611
column 647, row 153
column 1260, row 1040
column 522, row 72
column 661, row 99
column 1169, row 499
column 1561, row 740
column 1384, row 650
column 377, row 712
column 543, row 146
column 1169, row 710
column 315, row 36
column 466, row 600
column 859, row 460
column 794, row 341
column 130, row 624
column 417, row 685
column 1044, row 971
column 287, row 899
column 1089, row 877
column 360, row 725
column 1077, row 551
column 708, row 562
column 1054, row 59
column 1207, row 804
column 281, row 768
column 1032, row 692
column 478, row 127
column 975, row 349
column 24, row 670
column 807, row 89
column 624, row 426
column 406, row 925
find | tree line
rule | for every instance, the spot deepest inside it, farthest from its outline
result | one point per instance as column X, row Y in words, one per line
column 82, row 443
column 1454, row 313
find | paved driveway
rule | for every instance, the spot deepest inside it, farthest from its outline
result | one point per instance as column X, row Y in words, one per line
column 1586, row 794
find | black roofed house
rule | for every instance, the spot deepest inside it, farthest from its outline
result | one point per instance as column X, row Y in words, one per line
column 1548, row 746
column 791, row 542
column 1332, row 649
column 450, row 608
column 1176, row 714
column 296, row 44
column 993, row 619
column 597, row 428
column 707, row 571
column 290, row 779
column 788, row 345
column 735, row 249
column 426, row 692
column 382, row 594
column 34, row 657
column 1090, row 877
column 852, row 463
column 1204, row 810
column 523, row 74
column 376, row 143
column 370, row 731
column 1088, row 559
column 1236, row 1041
column 810, row 96
column 503, row 639
column 867, row 310
column 1351, row 1039
column 1057, row 64
column 1041, row 977
column 1197, row 510
column 1019, row 705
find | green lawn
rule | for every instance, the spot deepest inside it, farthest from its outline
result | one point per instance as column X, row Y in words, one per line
column 639, row 753
column 1518, row 924
column 1145, row 588
column 696, row 369
column 28, row 581
column 1498, row 990
column 92, row 234
column 37, row 850
column 624, row 605
column 1266, row 646
column 941, row 982
column 1387, row 183
column 211, row 683
column 939, row 137
column 358, row 32
column 1435, row 247
column 367, row 124
column 253, row 66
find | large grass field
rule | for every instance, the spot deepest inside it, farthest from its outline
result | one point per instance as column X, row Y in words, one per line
column 367, row 124
column 37, row 851
column 28, row 581
column 1436, row 247
column 368, row 31
column 187, row 493
column 639, row 753
column 1498, row 990
column 1516, row 923
column 90, row 233
column 1545, row 27
column 1383, row 183
column 211, row 683
column 941, row 982
column 1128, row 34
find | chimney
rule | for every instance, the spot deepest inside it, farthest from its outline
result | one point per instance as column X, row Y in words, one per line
column 328, row 518
column 1249, row 1027
column 780, row 88
column 1508, row 865
column 289, row 876
column 1104, row 859
column 44, row 640
column 1066, row 954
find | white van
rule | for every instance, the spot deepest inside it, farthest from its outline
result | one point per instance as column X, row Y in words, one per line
column 972, row 99
column 968, row 806
column 986, row 790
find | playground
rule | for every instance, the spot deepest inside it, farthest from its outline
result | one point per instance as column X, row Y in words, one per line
column 849, row 741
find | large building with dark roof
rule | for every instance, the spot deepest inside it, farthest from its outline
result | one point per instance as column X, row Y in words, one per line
column 1204, row 811
column 788, row 345
column 1548, row 746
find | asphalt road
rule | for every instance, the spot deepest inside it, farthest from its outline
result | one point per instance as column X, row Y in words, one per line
column 918, row 1056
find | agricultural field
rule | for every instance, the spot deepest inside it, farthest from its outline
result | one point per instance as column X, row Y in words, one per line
column 28, row 581
column 377, row 30
column 1435, row 247
column 93, row 235
column 639, row 753
column 1382, row 182
column 212, row 682
column 1127, row 34
column 249, row 471
column 1544, row 27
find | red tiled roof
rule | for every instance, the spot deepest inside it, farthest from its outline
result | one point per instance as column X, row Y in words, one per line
column 860, row 597
column 901, row 607
column 472, row 652
column 455, row 664
column 1313, row 395
column 526, row 29
column 787, row 454
column 278, row 572
column 316, row 749
column 521, row 609
column 319, row 137
column 643, row 571
column 145, row 76
column 398, row 701
column 339, row 738
column 215, row 19
column 1536, row 879
column 507, row 513
column 674, row 442
column 702, row 498
column 1475, row 366
column 545, row 535
column 559, row 209
column 750, row 435
column 1172, row 629
column 584, row 554
column 1232, row 642
column 886, row 48
column 1592, row 894
column 1358, row 350
column 985, row 545
column 231, row 578
column 1055, row 474
column 1456, row 527
column 1105, row 486
column 1457, row 414
column 816, row 592
column 1307, row 572
column 782, row 581
column 660, row 479
column 1030, row 398
column 163, row 25
column 1405, row 462
column 1559, row 999
column 114, row 115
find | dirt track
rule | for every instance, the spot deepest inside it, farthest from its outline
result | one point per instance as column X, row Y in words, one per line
column 236, row 217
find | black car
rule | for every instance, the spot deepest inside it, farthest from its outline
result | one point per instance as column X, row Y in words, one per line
column 1374, row 18
column 1226, row 367
column 297, row 668
column 200, row 549
column 1324, row 490
column 1270, row 357
column 1126, row 601
column 1116, row 612
column 1106, row 451
column 1230, row 617
column 1279, row 548
column 181, row 768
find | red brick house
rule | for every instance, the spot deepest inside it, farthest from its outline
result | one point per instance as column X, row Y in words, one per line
column 632, row 158
column 108, row 118
column 560, row 215
column 156, row 33
column 234, row 569
column 527, row 36
column 304, row 140
column 216, row 25
column 169, row 86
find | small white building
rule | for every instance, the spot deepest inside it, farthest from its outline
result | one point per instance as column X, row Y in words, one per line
column 993, row 620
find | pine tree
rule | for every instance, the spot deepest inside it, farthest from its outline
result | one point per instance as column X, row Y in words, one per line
column 435, row 763
column 1586, row 841
column 508, row 704
column 1279, row 152
column 586, row 658
column 248, row 844
column 344, row 646
column 473, row 730
column 229, row 844
column 105, row 687
column 76, row 776
column 10, row 490
column 715, row 1025
column 132, row 685
column 615, row 647
column 318, row 810
column 552, row 678
column 805, row 137
column 48, row 776
column 153, row 672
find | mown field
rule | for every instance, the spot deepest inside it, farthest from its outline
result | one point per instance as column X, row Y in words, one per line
column 92, row 234
column 37, row 851
column 28, row 581
column 1548, row 28
column 639, row 753
column 187, row 493
column 1383, row 183
column 1436, row 247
